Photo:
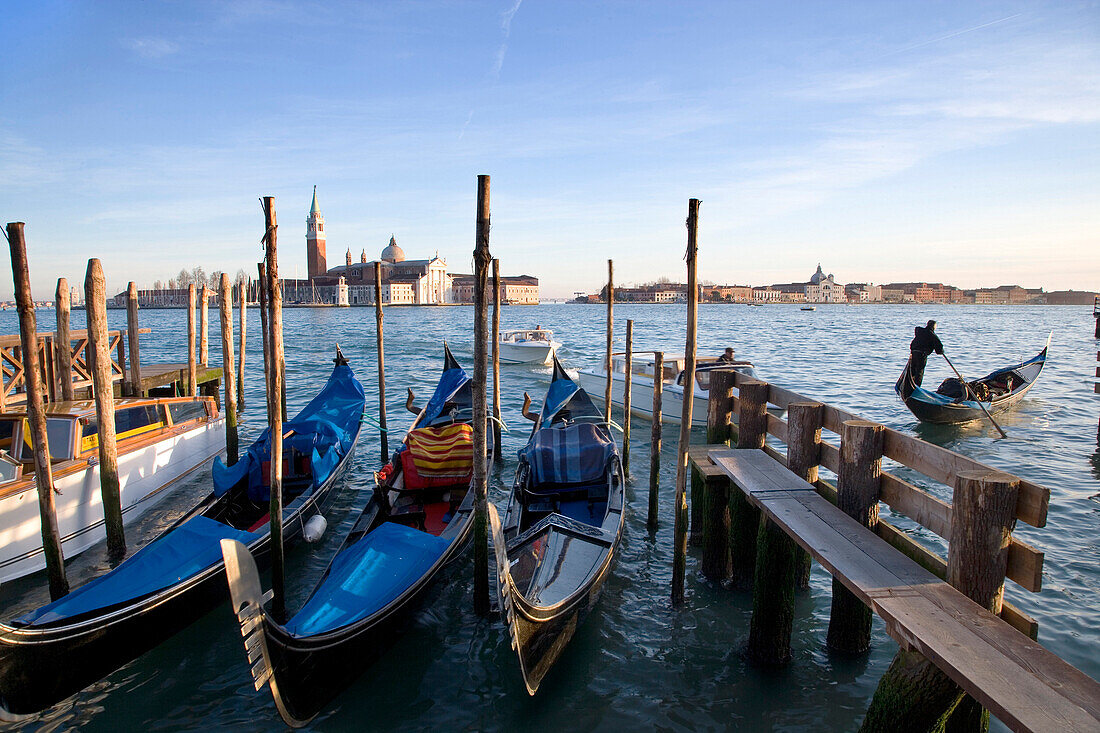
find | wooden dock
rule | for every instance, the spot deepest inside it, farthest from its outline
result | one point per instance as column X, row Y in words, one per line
column 946, row 613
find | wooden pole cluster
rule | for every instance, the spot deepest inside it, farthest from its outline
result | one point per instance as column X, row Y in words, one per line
column 914, row 694
column 242, row 303
column 610, row 333
column 655, row 440
column 192, row 370
column 482, row 264
column 204, row 327
column 679, row 559
column 225, row 299
column 779, row 559
column 99, row 362
column 495, row 340
column 132, row 334
column 626, row 394
column 63, row 301
column 275, row 376
column 712, row 495
column 752, row 428
column 380, row 342
column 36, row 415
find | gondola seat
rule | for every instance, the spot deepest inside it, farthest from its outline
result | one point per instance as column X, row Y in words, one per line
column 438, row 456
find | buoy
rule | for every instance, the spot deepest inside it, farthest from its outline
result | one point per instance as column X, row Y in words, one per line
column 315, row 528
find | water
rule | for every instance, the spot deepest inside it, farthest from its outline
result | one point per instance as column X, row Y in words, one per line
column 637, row 662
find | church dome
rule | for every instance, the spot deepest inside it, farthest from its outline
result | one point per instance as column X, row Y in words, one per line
column 393, row 253
column 817, row 276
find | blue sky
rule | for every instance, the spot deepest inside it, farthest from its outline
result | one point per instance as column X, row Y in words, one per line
column 954, row 142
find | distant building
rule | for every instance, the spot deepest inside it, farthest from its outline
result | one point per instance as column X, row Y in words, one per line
column 315, row 241
column 514, row 290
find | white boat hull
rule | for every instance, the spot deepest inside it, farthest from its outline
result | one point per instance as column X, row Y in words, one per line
column 146, row 476
column 641, row 396
column 528, row 352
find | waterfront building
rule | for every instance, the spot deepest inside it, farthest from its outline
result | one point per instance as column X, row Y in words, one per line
column 514, row 289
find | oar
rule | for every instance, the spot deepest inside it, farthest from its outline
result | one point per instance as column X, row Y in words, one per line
column 967, row 388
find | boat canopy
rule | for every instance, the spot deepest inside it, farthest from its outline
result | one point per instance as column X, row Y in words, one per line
column 368, row 576
column 454, row 378
column 569, row 454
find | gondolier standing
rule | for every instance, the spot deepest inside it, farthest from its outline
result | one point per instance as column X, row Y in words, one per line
column 924, row 342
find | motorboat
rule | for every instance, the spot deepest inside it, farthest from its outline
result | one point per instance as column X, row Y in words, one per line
column 527, row 346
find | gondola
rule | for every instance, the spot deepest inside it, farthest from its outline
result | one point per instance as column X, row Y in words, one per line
column 406, row 539
column 955, row 402
column 562, row 527
column 60, row 648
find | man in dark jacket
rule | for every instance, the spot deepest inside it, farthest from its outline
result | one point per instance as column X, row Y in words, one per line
column 924, row 342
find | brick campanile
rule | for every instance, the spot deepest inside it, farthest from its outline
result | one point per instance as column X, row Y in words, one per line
column 315, row 240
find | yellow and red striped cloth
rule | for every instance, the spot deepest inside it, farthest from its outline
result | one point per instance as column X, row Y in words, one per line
column 442, row 452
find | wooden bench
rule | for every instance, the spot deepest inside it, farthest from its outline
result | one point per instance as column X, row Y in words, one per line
column 1024, row 685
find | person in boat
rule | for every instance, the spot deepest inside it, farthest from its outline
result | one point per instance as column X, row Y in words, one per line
column 925, row 341
column 727, row 356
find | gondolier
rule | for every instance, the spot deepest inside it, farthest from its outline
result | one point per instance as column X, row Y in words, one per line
column 925, row 341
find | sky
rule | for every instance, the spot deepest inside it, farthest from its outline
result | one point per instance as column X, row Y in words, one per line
column 889, row 141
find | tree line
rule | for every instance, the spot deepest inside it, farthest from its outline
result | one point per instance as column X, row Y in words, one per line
column 198, row 277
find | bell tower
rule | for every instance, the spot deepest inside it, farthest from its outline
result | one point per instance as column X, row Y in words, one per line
column 315, row 240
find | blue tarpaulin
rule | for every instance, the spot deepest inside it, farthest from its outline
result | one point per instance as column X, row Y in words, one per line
column 367, row 576
column 571, row 454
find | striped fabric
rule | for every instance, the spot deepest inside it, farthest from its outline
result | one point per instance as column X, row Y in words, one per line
column 445, row 451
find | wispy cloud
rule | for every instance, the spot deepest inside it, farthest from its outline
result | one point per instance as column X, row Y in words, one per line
column 506, row 27
column 152, row 48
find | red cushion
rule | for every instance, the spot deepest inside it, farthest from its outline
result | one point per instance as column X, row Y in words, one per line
column 414, row 480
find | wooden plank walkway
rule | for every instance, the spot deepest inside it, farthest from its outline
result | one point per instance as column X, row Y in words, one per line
column 1023, row 684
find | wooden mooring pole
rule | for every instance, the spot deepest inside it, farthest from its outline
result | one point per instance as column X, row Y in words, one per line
column 655, row 440
column 712, row 494
column 275, row 414
column 225, row 303
column 204, row 328
column 857, row 487
column 265, row 332
column 132, row 335
column 610, row 333
column 482, row 263
column 679, row 556
column 36, row 415
column 778, row 557
column 192, row 369
column 914, row 695
column 752, row 429
column 626, row 395
column 242, row 300
column 99, row 362
column 495, row 340
column 380, row 342
column 63, row 349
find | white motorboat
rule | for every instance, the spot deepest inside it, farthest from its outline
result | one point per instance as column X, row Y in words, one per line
column 594, row 382
column 527, row 346
column 160, row 441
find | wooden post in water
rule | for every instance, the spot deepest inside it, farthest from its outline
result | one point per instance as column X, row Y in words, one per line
column 713, row 494
column 857, row 487
column 610, row 333
column 192, row 370
column 626, row 394
column 63, row 340
column 204, row 327
column 752, row 428
column 382, row 430
column 679, row 554
column 495, row 340
column 482, row 260
column 265, row 332
column 804, row 421
column 242, row 298
column 225, row 302
column 36, row 415
column 132, row 334
column 99, row 363
column 655, row 440
column 275, row 414
column 778, row 557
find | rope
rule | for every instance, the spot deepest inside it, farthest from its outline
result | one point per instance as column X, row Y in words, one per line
column 499, row 422
column 367, row 418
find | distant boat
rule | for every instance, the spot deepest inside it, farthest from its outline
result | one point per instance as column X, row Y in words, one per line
column 527, row 346
column 955, row 402
column 409, row 534
column 562, row 528
column 594, row 381
column 160, row 441
column 808, row 308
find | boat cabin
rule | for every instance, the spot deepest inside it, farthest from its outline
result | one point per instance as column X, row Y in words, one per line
column 673, row 368
column 525, row 335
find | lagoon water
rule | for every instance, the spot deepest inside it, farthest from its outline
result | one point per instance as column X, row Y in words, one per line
column 637, row 663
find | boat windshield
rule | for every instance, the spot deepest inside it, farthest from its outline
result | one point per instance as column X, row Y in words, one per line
column 59, row 435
